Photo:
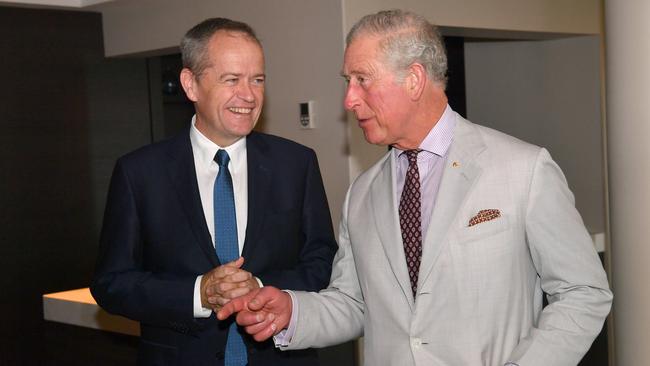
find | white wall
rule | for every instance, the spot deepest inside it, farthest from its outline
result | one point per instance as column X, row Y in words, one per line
column 551, row 16
column 546, row 93
column 628, row 126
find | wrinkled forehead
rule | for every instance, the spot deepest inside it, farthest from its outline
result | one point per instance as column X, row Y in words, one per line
column 365, row 39
column 363, row 50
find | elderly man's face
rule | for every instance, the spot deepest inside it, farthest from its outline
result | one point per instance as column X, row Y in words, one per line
column 379, row 101
column 229, row 93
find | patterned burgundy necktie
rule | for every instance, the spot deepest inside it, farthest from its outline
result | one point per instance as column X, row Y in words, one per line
column 410, row 218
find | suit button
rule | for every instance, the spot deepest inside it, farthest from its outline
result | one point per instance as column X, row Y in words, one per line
column 219, row 355
column 416, row 343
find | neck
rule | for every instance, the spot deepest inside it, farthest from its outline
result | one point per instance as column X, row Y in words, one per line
column 428, row 111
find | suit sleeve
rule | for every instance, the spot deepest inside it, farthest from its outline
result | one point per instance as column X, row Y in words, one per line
column 314, row 265
column 120, row 284
column 569, row 270
column 334, row 315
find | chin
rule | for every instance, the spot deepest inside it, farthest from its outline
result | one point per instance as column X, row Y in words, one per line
column 375, row 140
column 242, row 129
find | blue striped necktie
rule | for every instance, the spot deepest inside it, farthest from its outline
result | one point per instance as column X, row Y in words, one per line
column 225, row 236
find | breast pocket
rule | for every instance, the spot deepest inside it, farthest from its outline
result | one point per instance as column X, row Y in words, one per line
column 484, row 230
column 486, row 251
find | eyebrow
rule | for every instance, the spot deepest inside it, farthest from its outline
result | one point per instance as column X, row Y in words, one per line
column 354, row 73
column 238, row 74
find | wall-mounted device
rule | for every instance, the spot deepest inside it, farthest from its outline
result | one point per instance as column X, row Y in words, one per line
column 308, row 114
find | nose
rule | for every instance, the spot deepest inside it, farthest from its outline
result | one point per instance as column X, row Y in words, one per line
column 245, row 92
column 351, row 100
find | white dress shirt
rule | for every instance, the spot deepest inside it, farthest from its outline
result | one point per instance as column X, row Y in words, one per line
column 204, row 150
column 430, row 165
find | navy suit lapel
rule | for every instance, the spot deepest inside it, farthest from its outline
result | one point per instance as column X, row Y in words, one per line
column 259, row 189
column 183, row 176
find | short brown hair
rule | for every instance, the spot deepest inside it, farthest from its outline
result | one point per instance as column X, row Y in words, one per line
column 195, row 42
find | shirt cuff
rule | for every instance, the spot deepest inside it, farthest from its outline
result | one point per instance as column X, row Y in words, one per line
column 199, row 310
column 283, row 338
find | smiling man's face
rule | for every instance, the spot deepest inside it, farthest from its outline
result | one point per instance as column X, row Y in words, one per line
column 229, row 93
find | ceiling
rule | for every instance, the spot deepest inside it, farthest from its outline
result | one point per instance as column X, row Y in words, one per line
column 55, row 4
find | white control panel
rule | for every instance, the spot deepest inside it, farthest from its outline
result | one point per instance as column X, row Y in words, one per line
column 308, row 114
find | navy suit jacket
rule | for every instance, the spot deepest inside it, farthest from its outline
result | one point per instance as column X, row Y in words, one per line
column 155, row 242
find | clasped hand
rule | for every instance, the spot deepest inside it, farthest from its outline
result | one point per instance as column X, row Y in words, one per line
column 263, row 312
column 224, row 283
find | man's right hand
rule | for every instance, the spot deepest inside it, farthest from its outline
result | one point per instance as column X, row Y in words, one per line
column 224, row 283
column 262, row 312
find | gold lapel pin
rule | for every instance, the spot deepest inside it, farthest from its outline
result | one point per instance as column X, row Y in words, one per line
column 455, row 164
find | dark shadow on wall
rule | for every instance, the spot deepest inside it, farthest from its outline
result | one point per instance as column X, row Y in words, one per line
column 60, row 115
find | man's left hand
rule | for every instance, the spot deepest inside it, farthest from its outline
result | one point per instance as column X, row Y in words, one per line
column 225, row 283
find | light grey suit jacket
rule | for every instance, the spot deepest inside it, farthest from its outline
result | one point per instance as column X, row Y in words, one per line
column 479, row 299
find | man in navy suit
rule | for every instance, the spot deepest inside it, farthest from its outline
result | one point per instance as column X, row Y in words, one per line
column 157, row 262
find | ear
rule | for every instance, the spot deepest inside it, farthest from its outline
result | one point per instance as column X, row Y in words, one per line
column 416, row 80
column 188, row 81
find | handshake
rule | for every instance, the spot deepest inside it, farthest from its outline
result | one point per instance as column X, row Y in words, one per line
column 228, row 290
column 263, row 312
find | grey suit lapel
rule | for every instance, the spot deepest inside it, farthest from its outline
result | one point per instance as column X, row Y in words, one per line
column 386, row 217
column 460, row 173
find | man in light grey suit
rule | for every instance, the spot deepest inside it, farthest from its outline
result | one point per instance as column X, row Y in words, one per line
column 448, row 243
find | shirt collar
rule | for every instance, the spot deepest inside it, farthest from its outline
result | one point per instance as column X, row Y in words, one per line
column 205, row 150
column 440, row 136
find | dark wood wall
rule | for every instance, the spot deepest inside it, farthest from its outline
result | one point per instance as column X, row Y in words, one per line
column 64, row 111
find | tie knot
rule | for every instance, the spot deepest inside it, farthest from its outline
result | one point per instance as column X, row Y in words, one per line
column 412, row 155
column 222, row 158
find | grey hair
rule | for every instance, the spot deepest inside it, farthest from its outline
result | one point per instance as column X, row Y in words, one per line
column 194, row 45
column 407, row 38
